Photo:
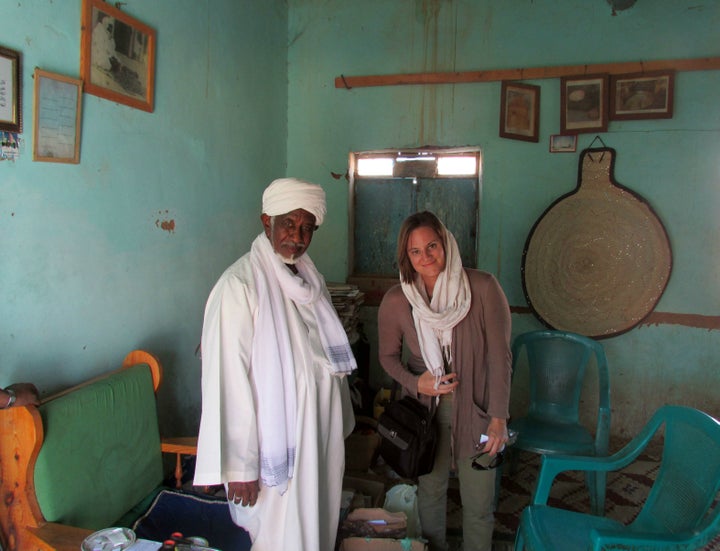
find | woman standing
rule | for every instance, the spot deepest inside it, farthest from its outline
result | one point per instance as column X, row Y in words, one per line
column 455, row 325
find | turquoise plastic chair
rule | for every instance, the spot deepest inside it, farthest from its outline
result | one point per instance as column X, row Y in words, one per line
column 678, row 512
column 557, row 364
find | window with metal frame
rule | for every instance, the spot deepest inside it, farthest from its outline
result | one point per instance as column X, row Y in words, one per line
column 387, row 186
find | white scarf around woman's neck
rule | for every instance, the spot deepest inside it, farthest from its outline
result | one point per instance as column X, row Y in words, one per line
column 272, row 353
column 449, row 305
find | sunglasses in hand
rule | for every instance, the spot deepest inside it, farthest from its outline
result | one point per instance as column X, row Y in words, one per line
column 495, row 462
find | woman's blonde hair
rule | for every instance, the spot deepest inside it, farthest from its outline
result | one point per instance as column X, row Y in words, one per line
column 411, row 223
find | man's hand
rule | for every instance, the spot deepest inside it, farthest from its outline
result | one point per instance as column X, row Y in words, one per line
column 245, row 493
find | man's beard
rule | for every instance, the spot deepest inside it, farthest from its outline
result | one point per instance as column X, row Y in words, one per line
column 292, row 260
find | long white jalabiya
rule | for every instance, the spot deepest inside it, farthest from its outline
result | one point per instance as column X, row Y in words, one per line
column 449, row 306
column 272, row 355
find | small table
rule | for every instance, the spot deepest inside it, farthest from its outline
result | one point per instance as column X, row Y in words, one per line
column 183, row 445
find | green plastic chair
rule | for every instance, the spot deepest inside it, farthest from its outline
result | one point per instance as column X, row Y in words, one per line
column 557, row 364
column 678, row 512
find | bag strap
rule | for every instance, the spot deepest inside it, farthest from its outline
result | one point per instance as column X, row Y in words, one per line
column 396, row 389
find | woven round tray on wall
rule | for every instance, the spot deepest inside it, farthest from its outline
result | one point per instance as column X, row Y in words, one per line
column 598, row 260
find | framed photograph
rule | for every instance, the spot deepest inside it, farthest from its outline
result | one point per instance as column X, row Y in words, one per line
column 560, row 143
column 117, row 57
column 519, row 111
column 10, row 90
column 642, row 96
column 583, row 104
column 57, row 113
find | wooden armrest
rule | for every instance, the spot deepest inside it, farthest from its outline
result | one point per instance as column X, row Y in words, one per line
column 21, row 432
column 143, row 357
column 186, row 445
column 181, row 445
column 58, row 536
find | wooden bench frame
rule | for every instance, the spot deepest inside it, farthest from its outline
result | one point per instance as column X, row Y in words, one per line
column 22, row 525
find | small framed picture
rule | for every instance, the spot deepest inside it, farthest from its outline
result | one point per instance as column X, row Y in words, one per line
column 583, row 104
column 117, row 56
column 563, row 143
column 57, row 112
column 10, row 90
column 642, row 96
column 519, row 111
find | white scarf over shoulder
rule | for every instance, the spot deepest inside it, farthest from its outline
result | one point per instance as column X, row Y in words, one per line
column 272, row 353
column 450, row 304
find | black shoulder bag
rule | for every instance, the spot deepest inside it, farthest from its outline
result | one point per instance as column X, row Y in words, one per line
column 408, row 437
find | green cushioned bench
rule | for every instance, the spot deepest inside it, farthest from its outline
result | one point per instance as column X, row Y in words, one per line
column 83, row 460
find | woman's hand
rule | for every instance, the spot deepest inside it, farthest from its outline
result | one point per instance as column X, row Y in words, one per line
column 245, row 493
column 497, row 436
column 426, row 384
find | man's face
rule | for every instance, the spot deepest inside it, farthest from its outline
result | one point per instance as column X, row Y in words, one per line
column 290, row 233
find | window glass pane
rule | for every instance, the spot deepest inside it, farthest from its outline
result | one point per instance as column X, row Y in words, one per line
column 454, row 202
column 375, row 166
column 380, row 207
column 457, row 166
column 445, row 182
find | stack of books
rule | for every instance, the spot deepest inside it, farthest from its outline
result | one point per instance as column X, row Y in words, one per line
column 347, row 300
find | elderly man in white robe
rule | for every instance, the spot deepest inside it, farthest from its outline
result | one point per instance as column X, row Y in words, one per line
column 275, row 400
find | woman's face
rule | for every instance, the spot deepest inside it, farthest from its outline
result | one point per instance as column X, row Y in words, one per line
column 426, row 252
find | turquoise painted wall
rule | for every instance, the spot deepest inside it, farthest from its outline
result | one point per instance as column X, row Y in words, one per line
column 245, row 93
column 674, row 164
column 87, row 271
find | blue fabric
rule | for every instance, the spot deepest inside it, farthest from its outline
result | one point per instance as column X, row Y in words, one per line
column 192, row 515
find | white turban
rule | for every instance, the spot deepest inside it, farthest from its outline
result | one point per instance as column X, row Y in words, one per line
column 288, row 194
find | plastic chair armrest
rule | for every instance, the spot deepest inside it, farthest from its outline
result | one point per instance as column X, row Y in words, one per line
column 602, row 431
column 552, row 465
column 607, row 540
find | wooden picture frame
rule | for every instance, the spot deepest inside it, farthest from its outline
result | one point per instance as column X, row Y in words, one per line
column 583, row 104
column 642, row 95
column 10, row 90
column 519, row 111
column 117, row 56
column 563, row 143
column 57, row 111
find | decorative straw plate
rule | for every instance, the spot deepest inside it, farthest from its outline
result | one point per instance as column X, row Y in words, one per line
column 598, row 260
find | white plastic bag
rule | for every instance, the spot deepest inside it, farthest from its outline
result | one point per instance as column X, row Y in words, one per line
column 403, row 498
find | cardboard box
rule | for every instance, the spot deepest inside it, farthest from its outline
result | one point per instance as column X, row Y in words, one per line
column 381, row 544
column 361, row 450
column 373, row 490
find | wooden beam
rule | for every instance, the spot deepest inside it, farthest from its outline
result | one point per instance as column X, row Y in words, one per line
column 697, row 321
column 532, row 73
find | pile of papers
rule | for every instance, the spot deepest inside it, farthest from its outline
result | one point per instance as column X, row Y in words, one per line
column 347, row 300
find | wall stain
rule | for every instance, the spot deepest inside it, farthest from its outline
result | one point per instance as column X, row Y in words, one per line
column 165, row 225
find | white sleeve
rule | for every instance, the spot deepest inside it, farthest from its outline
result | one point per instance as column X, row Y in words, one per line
column 228, row 439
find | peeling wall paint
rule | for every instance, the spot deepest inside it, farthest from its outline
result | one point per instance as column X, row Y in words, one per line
column 165, row 224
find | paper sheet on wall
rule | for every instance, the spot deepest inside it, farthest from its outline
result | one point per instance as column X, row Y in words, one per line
column 9, row 146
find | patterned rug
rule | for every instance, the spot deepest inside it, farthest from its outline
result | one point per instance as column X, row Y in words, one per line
column 626, row 492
